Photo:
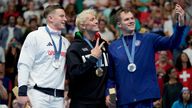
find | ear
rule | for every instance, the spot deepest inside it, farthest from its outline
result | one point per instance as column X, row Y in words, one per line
column 119, row 24
column 50, row 17
column 82, row 26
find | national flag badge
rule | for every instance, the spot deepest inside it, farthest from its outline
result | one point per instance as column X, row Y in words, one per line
column 137, row 43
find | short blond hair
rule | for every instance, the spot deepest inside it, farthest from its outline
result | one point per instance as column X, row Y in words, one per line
column 82, row 17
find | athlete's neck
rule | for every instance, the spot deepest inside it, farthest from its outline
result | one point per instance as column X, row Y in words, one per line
column 131, row 33
column 53, row 27
column 89, row 35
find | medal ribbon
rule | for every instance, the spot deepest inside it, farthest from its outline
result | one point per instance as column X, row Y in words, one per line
column 89, row 43
column 130, row 56
column 57, row 52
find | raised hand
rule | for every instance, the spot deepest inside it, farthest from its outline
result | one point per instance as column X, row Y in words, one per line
column 180, row 13
column 96, row 51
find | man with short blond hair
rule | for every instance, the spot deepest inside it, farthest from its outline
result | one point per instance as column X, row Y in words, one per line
column 41, row 65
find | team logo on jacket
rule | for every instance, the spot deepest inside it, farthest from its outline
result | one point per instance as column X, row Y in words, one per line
column 119, row 47
column 49, row 44
column 85, row 49
column 104, row 61
column 137, row 43
column 103, row 48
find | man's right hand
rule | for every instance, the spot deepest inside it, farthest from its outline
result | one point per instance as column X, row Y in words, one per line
column 96, row 51
column 23, row 100
column 107, row 100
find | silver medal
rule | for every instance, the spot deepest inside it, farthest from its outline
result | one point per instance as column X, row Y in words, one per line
column 131, row 67
column 99, row 72
column 56, row 64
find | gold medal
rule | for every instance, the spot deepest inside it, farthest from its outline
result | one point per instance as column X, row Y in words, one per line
column 99, row 72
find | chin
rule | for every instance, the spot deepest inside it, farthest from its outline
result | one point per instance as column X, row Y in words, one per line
column 132, row 28
column 96, row 30
column 62, row 27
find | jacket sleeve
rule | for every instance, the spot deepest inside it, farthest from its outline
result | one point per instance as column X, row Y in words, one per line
column 110, row 74
column 164, row 43
column 25, row 63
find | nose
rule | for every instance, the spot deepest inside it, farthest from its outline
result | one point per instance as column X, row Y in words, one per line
column 132, row 20
column 65, row 19
column 96, row 21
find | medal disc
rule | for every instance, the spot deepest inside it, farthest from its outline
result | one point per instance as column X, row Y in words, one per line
column 56, row 64
column 99, row 72
column 131, row 67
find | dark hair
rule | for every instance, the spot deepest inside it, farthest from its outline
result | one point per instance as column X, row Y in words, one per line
column 118, row 14
column 178, row 64
column 102, row 20
column 189, row 36
column 50, row 9
column 70, row 10
column 32, row 20
column 181, row 98
column 168, row 72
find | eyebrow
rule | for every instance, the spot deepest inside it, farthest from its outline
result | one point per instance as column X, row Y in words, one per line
column 92, row 19
column 129, row 18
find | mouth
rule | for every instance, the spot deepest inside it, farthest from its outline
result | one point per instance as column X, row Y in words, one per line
column 63, row 23
column 131, row 25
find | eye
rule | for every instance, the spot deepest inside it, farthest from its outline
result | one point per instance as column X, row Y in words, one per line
column 92, row 19
column 126, row 19
column 62, row 15
column 132, row 18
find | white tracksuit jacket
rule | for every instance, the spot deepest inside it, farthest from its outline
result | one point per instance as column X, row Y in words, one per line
column 36, row 59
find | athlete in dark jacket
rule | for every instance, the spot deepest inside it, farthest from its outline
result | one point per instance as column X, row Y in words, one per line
column 87, row 64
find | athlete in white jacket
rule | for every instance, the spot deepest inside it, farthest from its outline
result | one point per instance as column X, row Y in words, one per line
column 41, row 65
